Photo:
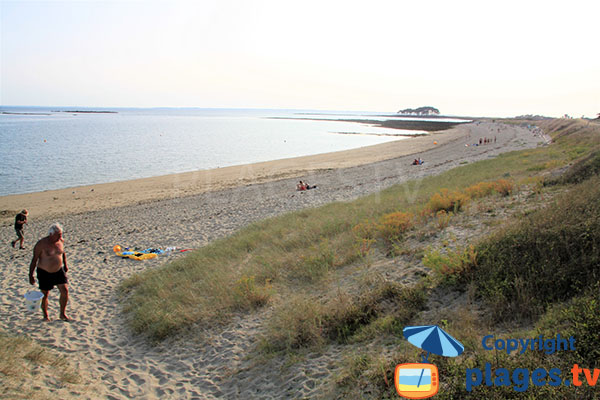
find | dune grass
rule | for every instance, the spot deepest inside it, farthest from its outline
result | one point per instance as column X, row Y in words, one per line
column 23, row 362
column 269, row 261
column 345, row 317
column 546, row 257
column 538, row 275
column 565, row 295
column 577, row 317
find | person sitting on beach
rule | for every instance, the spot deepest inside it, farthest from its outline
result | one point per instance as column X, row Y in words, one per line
column 415, row 162
column 20, row 221
column 309, row 186
column 51, row 262
column 301, row 186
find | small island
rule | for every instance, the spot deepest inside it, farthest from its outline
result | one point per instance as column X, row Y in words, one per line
column 420, row 111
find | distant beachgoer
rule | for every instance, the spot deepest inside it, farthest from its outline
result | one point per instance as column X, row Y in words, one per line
column 308, row 186
column 479, row 140
column 51, row 262
column 301, row 186
column 20, row 221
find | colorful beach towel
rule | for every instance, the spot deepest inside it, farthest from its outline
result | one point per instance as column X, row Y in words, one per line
column 147, row 254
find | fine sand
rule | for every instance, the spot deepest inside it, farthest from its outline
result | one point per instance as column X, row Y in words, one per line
column 189, row 210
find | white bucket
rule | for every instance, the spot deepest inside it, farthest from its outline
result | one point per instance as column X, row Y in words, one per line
column 32, row 299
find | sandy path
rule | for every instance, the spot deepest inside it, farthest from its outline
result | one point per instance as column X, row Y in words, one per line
column 117, row 365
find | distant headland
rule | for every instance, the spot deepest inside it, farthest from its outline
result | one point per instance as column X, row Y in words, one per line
column 87, row 111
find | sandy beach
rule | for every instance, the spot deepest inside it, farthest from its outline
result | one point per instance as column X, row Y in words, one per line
column 109, row 195
column 190, row 210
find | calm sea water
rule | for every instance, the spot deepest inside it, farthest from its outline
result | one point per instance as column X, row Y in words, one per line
column 48, row 148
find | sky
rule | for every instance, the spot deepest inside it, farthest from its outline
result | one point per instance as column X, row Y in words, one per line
column 469, row 58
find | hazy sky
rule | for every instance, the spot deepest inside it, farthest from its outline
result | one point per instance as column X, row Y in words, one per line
column 477, row 58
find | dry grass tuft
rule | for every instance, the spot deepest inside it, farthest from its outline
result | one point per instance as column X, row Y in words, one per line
column 446, row 200
column 23, row 362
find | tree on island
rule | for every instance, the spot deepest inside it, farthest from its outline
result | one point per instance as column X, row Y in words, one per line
column 420, row 111
column 532, row 117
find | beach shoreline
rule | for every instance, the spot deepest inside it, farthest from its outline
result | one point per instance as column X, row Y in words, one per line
column 115, row 363
column 53, row 203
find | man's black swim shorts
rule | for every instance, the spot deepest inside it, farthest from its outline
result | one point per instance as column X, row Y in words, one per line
column 47, row 280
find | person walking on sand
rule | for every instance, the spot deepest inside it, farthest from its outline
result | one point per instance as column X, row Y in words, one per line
column 51, row 262
column 20, row 221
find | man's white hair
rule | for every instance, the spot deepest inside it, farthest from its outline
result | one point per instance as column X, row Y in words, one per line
column 55, row 227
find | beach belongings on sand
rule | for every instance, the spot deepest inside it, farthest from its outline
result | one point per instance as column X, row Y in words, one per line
column 32, row 299
column 177, row 249
column 147, row 254
column 136, row 255
column 154, row 251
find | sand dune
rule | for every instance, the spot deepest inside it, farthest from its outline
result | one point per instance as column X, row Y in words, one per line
column 190, row 210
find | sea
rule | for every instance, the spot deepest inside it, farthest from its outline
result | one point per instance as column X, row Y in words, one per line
column 46, row 148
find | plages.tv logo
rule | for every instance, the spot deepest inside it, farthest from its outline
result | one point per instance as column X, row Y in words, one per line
column 421, row 380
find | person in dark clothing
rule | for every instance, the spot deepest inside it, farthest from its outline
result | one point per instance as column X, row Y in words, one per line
column 20, row 221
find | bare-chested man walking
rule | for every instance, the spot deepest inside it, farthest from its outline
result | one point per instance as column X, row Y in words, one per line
column 51, row 262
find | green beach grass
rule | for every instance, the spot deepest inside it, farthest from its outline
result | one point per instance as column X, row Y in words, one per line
column 24, row 363
column 279, row 255
column 529, row 275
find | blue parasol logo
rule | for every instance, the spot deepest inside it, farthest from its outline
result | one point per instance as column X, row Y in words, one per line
column 421, row 380
column 433, row 339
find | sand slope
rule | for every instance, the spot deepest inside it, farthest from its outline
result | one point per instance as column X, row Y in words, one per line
column 182, row 212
